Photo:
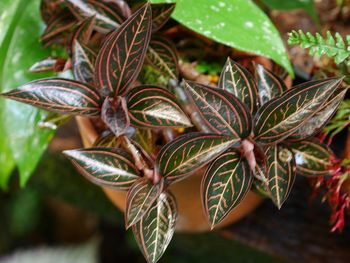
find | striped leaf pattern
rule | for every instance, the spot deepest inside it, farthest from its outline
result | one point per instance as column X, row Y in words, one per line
column 140, row 199
column 104, row 166
column 162, row 55
column 220, row 110
column 58, row 95
column 155, row 107
column 49, row 64
column 238, row 81
column 189, row 152
column 161, row 14
column 313, row 158
column 120, row 59
column 83, row 60
column 269, row 85
column 280, row 173
column 225, row 184
column 114, row 113
column 155, row 230
column 282, row 116
column 84, row 31
column 315, row 124
column 106, row 18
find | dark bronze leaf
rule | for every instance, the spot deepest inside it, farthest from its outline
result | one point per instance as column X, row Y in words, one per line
column 114, row 113
column 155, row 107
column 49, row 64
column 162, row 55
column 161, row 14
column 220, row 110
column 140, row 199
column 155, row 230
column 282, row 116
column 238, row 81
column 83, row 60
column 120, row 59
column 189, row 152
column 109, row 167
column 58, row 95
column 225, row 184
column 108, row 140
column 84, row 31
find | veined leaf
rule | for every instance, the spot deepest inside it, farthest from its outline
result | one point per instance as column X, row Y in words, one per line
column 320, row 119
column 312, row 158
column 155, row 107
column 237, row 80
column 140, row 199
column 155, row 230
column 220, row 110
column 162, row 55
column 282, row 116
column 109, row 167
column 161, row 14
column 108, row 140
column 146, row 138
column 189, row 152
column 49, row 9
column 269, row 85
column 58, row 95
column 83, row 60
column 114, row 113
column 225, row 184
column 84, row 31
column 106, row 18
column 280, row 173
column 120, row 59
column 49, row 64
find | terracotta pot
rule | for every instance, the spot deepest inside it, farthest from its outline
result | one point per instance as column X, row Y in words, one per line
column 187, row 193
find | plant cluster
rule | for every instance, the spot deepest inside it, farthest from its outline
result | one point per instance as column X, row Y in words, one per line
column 249, row 131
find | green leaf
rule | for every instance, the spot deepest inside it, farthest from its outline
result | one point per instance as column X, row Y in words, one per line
column 225, row 184
column 162, row 55
column 83, row 60
column 280, row 173
column 239, row 24
column 189, row 152
column 155, row 230
column 106, row 18
column 21, row 141
column 109, row 167
column 161, row 14
column 237, row 80
column 221, row 111
column 114, row 113
column 58, row 95
column 313, row 158
column 120, row 59
column 155, row 107
column 107, row 140
column 140, row 199
column 282, row 116
column 321, row 118
column 269, row 85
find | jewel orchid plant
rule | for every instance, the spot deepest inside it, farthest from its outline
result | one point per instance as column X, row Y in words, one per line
column 249, row 132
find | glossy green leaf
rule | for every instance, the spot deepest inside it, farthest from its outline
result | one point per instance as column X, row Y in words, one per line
column 189, row 152
column 83, row 60
column 58, row 95
column 225, row 184
column 109, row 167
column 280, row 173
column 162, row 55
column 155, row 107
column 161, row 14
column 106, row 18
column 237, row 80
column 282, row 116
column 140, row 199
column 107, row 140
column 114, row 113
column 269, row 85
column 155, row 230
column 313, row 158
column 21, row 141
column 220, row 110
column 54, row 120
column 239, row 24
column 120, row 59
column 315, row 124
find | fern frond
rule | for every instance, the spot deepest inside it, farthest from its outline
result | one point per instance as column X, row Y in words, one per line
column 334, row 47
